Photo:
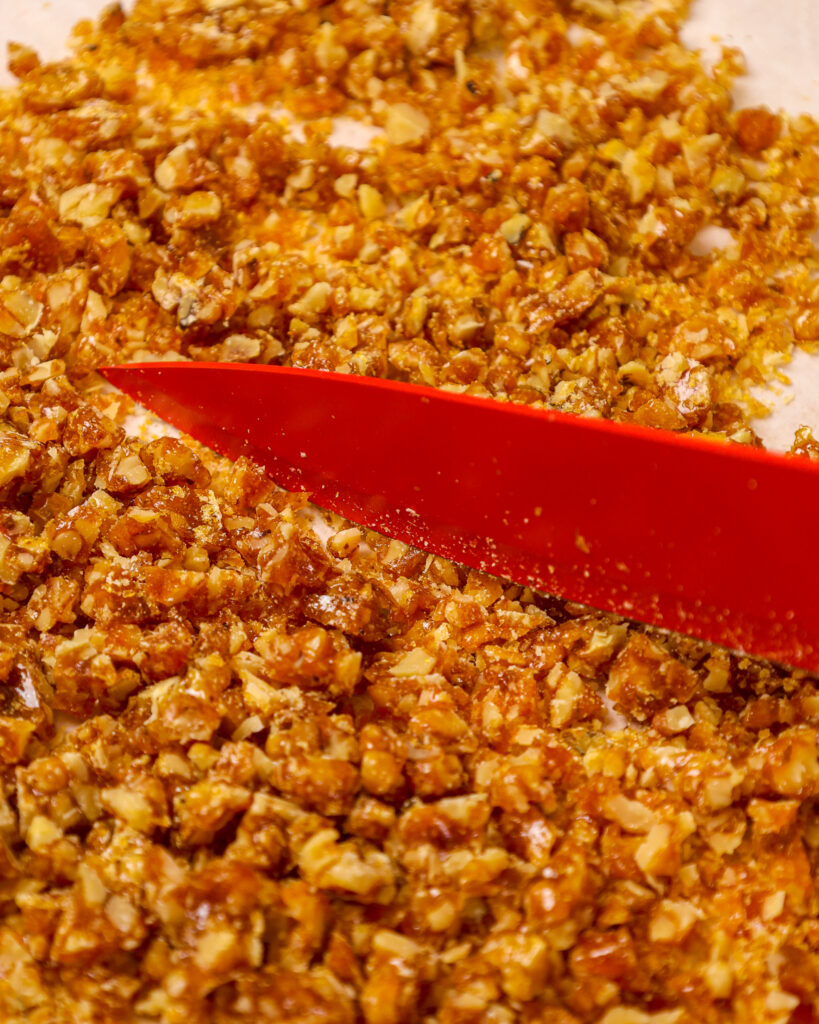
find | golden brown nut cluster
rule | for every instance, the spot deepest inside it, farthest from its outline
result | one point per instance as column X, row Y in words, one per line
column 258, row 764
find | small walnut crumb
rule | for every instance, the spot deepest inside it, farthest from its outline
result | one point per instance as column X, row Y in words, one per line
column 630, row 815
column 554, row 126
column 216, row 948
column 672, row 921
column 87, row 205
column 345, row 542
column 406, row 125
column 15, row 457
column 20, row 312
column 719, row 977
column 42, row 834
column 773, row 905
column 194, row 210
column 417, row 662
column 673, row 720
column 514, row 228
column 757, row 128
column 345, row 185
column 371, row 202
column 644, row 675
column 314, row 301
column 653, row 853
column 178, row 170
column 571, row 699
column 631, row 1015
column 346, row 868
column 131, row 806
column 719, row 673
column 780, row 1004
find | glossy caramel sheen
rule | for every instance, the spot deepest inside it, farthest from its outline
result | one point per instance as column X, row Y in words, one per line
column 317, row 776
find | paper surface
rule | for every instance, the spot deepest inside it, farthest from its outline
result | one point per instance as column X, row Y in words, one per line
column 779, row 41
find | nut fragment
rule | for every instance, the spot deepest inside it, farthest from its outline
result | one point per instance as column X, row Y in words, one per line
column 406, row 125
column 416, row 662
column 15, row 456
column 87, row 205
column 19, row 312
column 194, row 210
column 513, row 229
column 371, row 202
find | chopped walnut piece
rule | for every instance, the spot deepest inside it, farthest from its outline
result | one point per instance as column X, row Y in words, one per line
column 630, row 815
column 87, row 205
column 109, row 249
column 757, row 129
column 194, row 210
column 406, row 125
column 20, row 312
column 358, row 873
column 15, row 456
column 644, row 675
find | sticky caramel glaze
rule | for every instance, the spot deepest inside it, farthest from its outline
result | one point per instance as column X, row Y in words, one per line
column 260, row 765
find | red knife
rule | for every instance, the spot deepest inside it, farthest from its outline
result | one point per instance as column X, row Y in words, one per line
column 710, row 539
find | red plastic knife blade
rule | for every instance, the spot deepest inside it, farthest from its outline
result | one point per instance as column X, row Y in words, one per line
column 714, row 540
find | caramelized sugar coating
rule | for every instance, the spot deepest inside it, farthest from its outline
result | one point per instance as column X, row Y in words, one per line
column 314, row 775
